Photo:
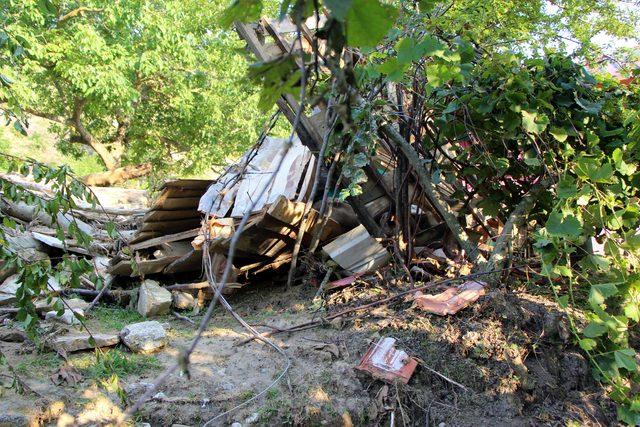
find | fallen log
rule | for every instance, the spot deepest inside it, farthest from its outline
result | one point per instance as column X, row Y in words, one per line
column 117, row 175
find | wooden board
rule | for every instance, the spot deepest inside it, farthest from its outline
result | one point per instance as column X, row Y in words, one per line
column 195, row 184
column 170, row 215
column 183, row 235
column 191, row 261
column 170, row 226
column 141, row 237
column 181, row 193
column 176, row 203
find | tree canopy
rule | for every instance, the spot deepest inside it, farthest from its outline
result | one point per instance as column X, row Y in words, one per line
column 136, row 81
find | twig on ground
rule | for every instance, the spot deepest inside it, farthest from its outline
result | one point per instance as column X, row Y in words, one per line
column 324, row 320
column 183, row 318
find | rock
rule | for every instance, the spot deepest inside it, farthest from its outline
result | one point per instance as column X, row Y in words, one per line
column 236, row 424
column 144, row 337
column 183, row 300
column 153, row 299
column 8, row 289
column 77, row 342
column 13, row 336
column 14, row 420
column 76, row 304
column 252, row 419
column 68, row 317
column 6, row 271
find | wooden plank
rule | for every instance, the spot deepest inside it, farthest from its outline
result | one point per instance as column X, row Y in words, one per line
column 194, row 184
column 191, row 261
column 183, row 235
column 176, row 203
column 141, row 237
column 169, row 215
column 171, row 226
column 182, row 193
column 305, row 187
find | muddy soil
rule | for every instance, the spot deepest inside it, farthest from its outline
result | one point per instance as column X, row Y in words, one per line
column 510, row 351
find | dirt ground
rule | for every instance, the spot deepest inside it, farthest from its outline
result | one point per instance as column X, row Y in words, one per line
column 511, row 351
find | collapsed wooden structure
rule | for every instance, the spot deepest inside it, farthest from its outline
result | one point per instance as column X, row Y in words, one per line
column 171, row 237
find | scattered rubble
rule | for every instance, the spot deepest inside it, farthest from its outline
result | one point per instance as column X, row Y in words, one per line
column 144, row 337
column 183, row 300
column 69, row 317
column 83, row 341
column 153, row 299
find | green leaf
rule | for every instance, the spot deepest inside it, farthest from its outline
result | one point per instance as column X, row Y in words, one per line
column 426, row 5
column 591, row 168
column 534, row 123
column 568, row 226
column 632, row 311
column 368, row 21
column 563, row 301
column 241, row 10
column 594, row 329
column 407, row 50
column 560, row 134
column 625, row 358
column 592, row 108
column 393, row 69
column 600, row 292
column 621, row 166
column 532, row 161
column 430, row 46
column 339, row 8
column 567, row 187
column 587, row 344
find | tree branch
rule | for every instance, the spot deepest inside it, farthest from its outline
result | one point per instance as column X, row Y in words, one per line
column 76, row 12
column 430, row 190
column 87, row 138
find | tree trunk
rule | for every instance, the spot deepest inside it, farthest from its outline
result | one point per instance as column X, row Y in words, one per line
column 117, row 175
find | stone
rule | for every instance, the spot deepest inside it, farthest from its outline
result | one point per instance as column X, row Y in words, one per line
column 236, row 424
column 68, row 317
column 77, row 342
column 183, row 300
column 252, row 419
column 8, row 289
column 14, row 420
column 144, row 337
column 14, row 335
column 153, row 299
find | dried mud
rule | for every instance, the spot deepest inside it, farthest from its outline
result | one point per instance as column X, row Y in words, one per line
column 511, row 351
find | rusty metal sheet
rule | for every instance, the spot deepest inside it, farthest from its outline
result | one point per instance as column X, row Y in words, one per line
column 450, row 301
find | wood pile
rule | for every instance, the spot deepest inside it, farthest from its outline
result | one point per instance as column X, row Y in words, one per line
column 170, row 238
column 161, row 244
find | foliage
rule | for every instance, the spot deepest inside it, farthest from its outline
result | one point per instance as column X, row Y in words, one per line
column 502, row 109
column 137, row 81
column 105, row 364
column 35, row 274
